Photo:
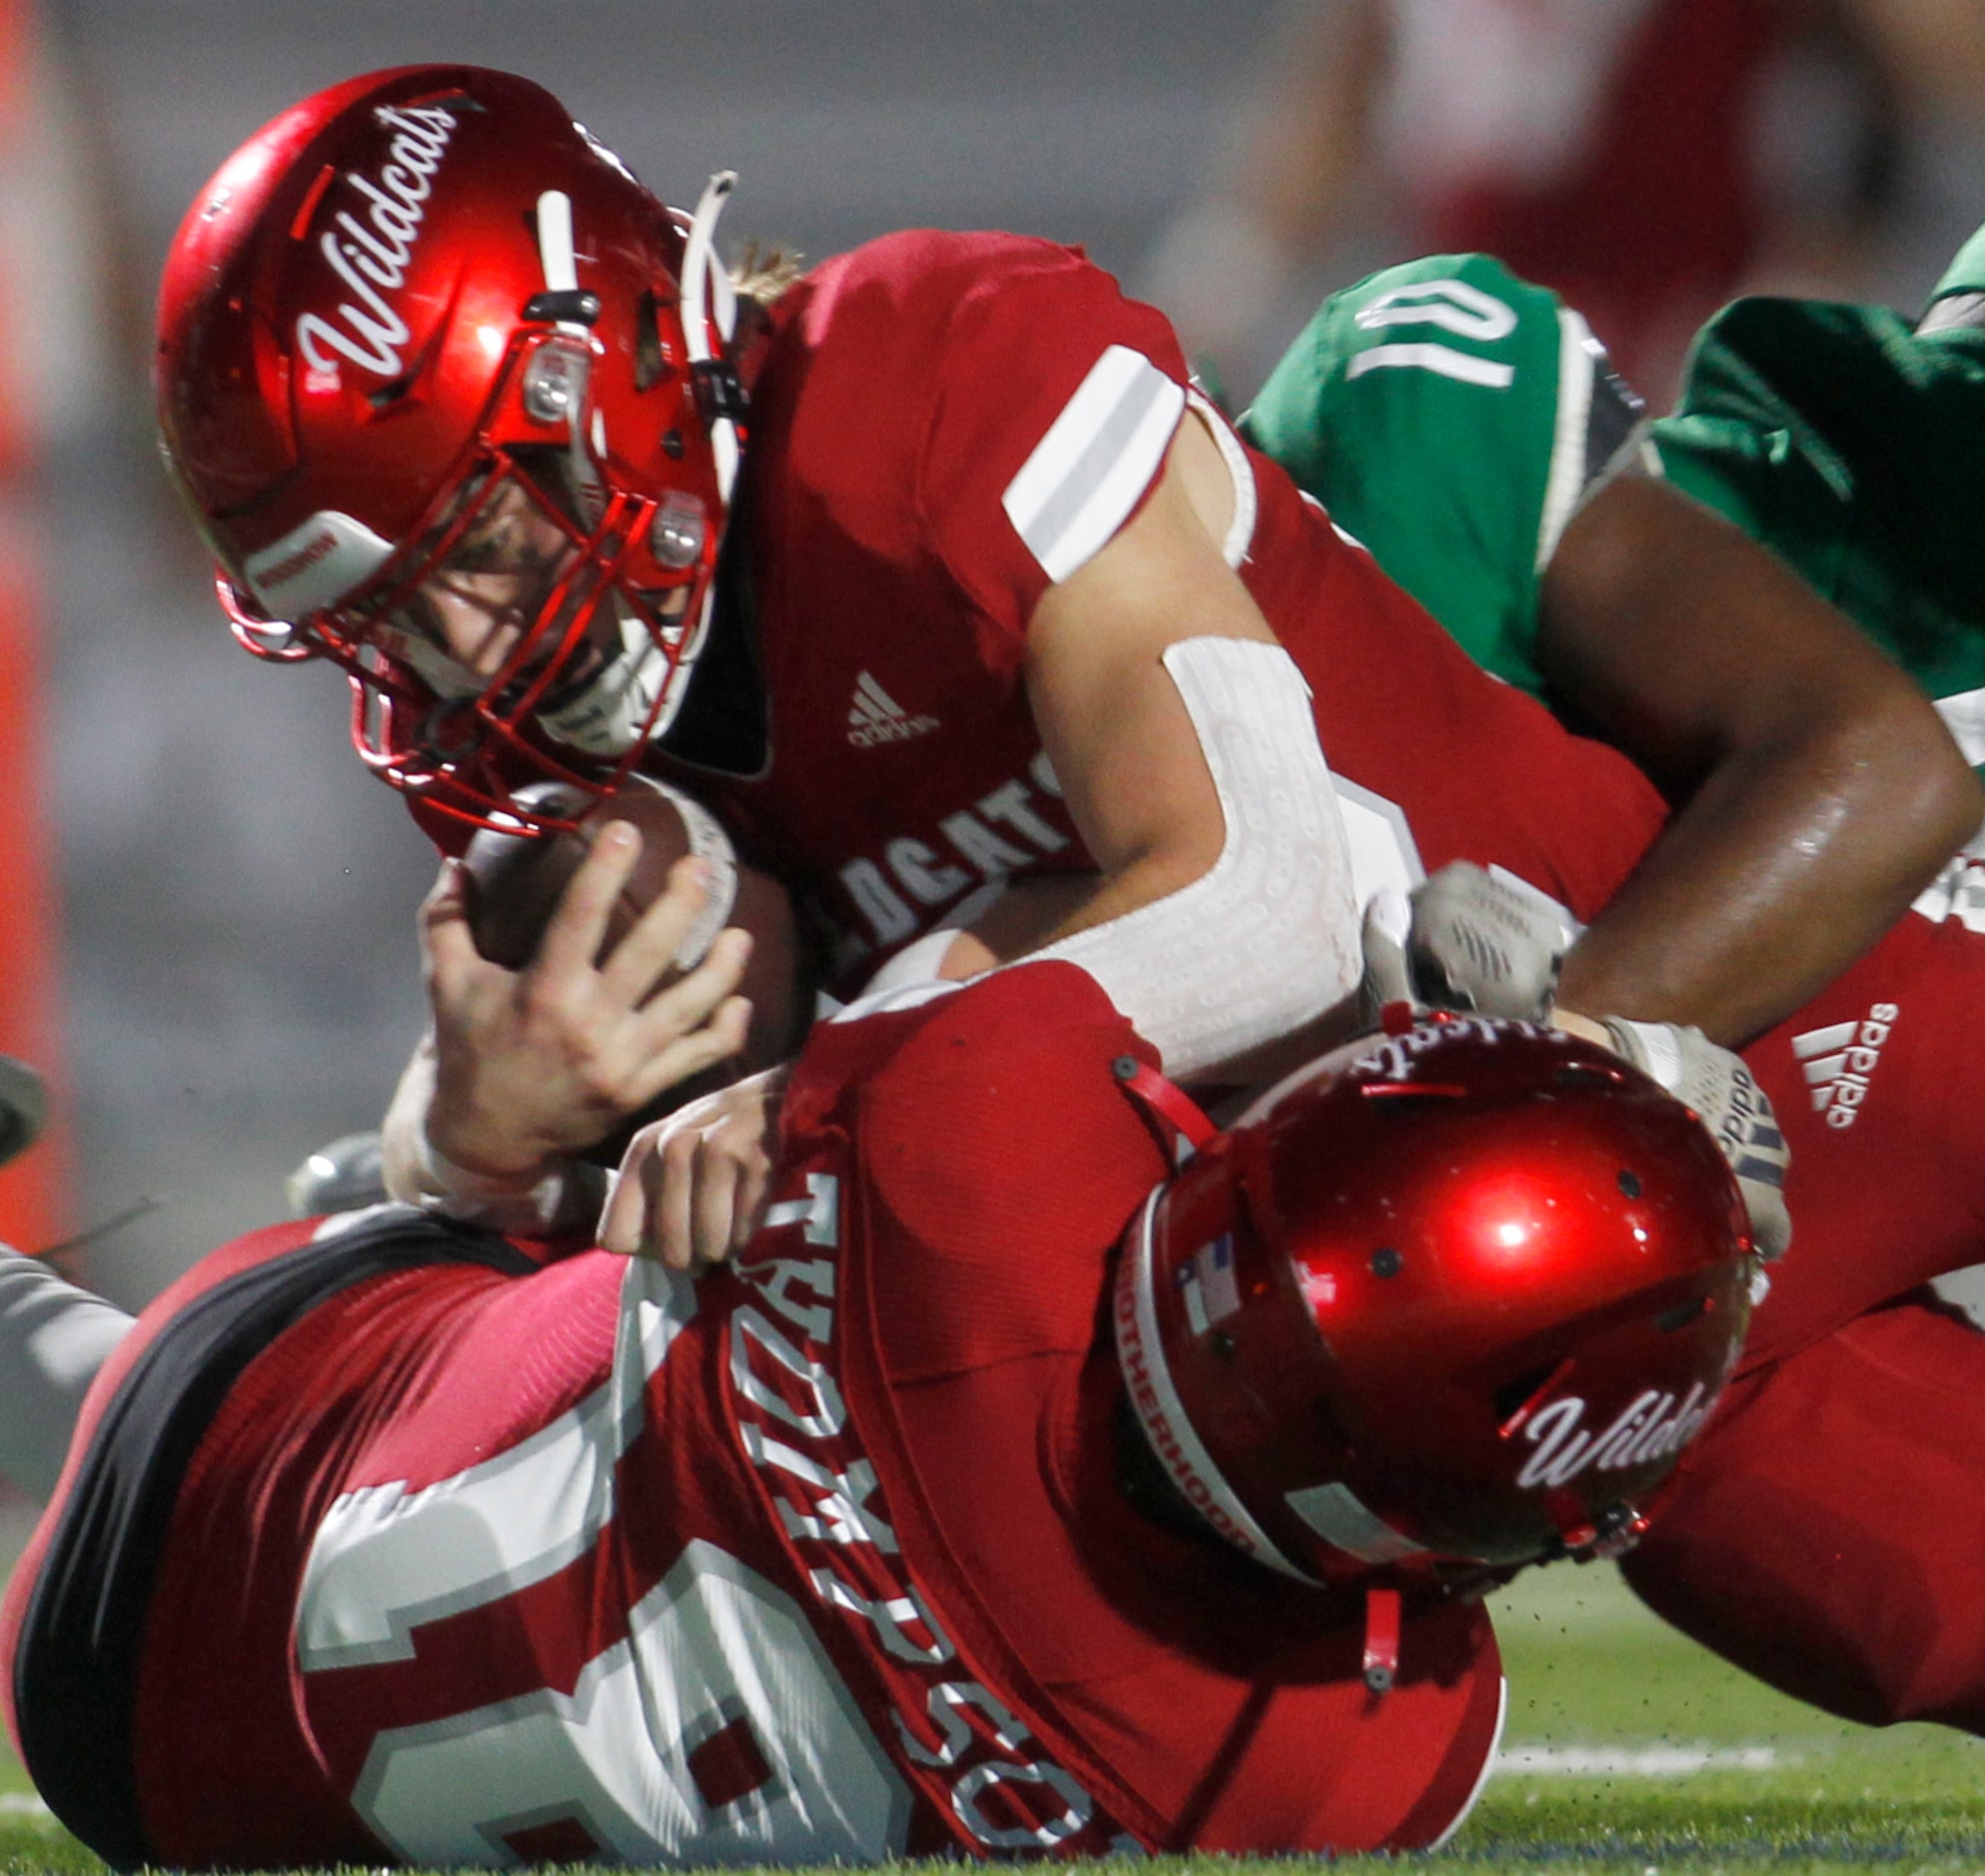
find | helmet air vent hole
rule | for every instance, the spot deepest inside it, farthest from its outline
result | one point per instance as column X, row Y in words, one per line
column 1682, row 1315
column 651, row 361
column 1386, row 1262
column 1630, row 1182
column 671, row 446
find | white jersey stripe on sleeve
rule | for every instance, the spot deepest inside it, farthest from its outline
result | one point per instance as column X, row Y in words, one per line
column 1096, row 461
column 1964, row 716
column 1566, row 483
column 1600, row 431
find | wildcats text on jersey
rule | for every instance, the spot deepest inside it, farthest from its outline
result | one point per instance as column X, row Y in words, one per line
column 1005, row 831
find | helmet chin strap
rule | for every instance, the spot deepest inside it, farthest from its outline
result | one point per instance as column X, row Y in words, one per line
column 702, row 278
column 435, row 668
column 612, row 710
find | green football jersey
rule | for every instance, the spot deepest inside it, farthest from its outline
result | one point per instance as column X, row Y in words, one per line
column 1855, row 448
column 1451, row 418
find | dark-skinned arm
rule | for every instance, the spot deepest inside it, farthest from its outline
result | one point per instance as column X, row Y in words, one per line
column 1816, row 789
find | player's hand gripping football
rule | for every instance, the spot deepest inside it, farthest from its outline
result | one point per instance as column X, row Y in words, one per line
column 692, row 1188
column 531, row 1065
column 1466, row 940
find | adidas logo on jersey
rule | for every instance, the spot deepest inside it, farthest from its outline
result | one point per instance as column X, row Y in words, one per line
column 1840, row 1059
column 876, row 716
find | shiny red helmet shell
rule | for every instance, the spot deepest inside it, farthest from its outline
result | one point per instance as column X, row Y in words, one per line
column 345, row 323
column 1445, row 1303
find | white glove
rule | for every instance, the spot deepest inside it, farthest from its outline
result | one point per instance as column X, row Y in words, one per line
column 1464, row 940
column 1480, row 943
column 1721, row 1091
column 1388, row 930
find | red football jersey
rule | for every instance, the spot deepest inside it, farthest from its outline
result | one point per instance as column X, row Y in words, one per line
column 943, row 426
column 823, row 1557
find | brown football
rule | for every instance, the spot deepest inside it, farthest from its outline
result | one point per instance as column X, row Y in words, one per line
column 515, row 880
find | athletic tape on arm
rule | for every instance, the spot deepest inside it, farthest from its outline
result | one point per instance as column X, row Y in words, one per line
column 1269, row 937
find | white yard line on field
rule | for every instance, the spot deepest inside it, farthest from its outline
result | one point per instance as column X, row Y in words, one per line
column 1636, row 1761
column 22, row 1804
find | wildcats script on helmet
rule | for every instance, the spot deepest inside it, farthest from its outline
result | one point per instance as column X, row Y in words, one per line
column 373, row 253
column 1650, row 1426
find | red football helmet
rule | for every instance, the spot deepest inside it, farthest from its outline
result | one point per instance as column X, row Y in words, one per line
column 449, row 393
column 1444, row 1303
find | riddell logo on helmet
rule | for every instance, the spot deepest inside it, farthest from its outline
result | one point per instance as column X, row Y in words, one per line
column 291, row 565
column 370, row 251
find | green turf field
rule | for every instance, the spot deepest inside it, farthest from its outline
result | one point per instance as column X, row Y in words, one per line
column 1627, row 1750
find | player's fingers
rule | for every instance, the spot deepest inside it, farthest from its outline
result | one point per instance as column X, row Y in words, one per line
column 754, row 1181
column 671, row 1227
column 728, row 1027
column 695, row 997
column 648, row 952
column 677, row 1058
column 448, row 946
column 696, row 1021
column 577, row 927
column 712, row 1203
column 623, row 1218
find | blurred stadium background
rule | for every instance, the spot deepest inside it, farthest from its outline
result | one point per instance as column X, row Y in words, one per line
column 236, row 968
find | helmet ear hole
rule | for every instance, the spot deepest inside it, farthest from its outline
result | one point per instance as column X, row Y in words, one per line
column 1242, row 1422
column 1672, row 1321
